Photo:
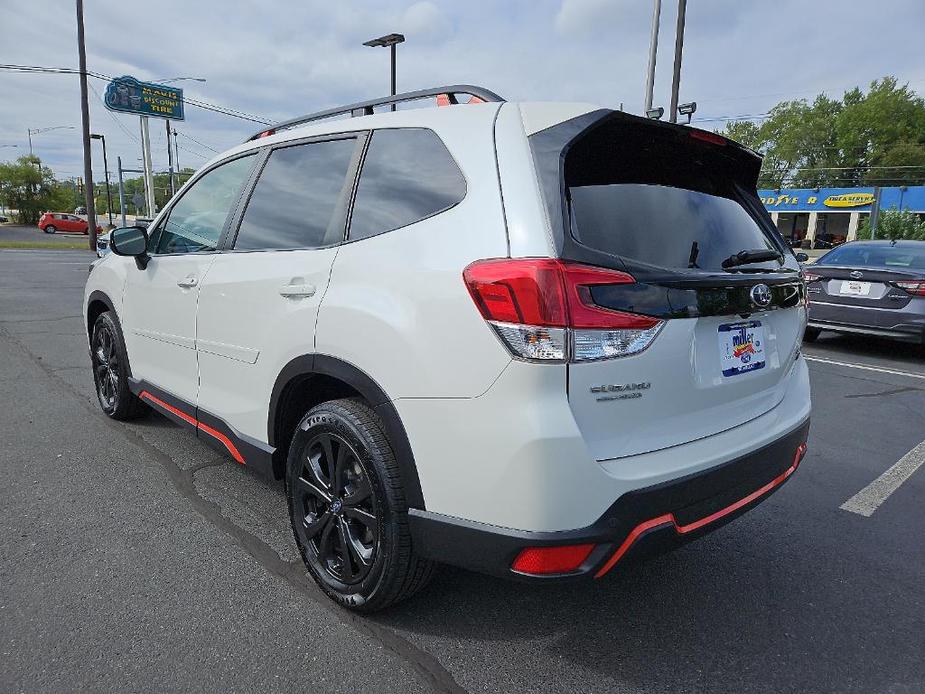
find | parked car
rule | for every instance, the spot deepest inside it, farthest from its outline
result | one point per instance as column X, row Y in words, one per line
column 3, row 220
column 869, row 287
column 427, row 323
column 102, row 245
column 81, row 210
column 52, row 222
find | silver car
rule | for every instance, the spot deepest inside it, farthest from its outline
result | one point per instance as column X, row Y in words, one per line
column 869, row 287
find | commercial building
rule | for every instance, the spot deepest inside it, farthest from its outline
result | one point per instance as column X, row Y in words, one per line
column 833, row 214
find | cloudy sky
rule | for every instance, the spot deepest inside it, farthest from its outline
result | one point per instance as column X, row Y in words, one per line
column 277, row 59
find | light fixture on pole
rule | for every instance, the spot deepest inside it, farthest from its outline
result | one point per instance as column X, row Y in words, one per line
column 388, row 41
column 102, row 139
column 655, row 113
column 36, row 131
column 678, row 50
column 688, row 110
column 653, row 52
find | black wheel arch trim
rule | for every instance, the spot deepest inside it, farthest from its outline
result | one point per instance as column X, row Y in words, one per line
column 375, row 396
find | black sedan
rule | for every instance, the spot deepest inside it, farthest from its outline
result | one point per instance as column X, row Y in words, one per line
column 869, row 287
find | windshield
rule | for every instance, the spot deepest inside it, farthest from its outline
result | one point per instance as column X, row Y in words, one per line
column 898, row 257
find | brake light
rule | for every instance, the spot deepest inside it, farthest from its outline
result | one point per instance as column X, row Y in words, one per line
column 267, row 133
column 712, row 138
column 543, row 310
column 540, row 561
column 916, row 288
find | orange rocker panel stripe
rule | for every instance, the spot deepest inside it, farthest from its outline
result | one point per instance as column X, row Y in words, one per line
column 145, row 395
column 669, row 519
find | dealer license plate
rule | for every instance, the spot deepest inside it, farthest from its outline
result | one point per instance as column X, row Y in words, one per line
column 741, row 347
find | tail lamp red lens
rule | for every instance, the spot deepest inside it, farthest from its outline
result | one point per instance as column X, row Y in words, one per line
column 545, row 561
column 916, row 287
column 545, row 292
column 712, row 138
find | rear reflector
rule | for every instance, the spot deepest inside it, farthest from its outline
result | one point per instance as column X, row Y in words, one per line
column 544, row 561
column 916, row 288
column 543, row 310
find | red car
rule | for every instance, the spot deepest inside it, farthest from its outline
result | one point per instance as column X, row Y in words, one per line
column 61, row 221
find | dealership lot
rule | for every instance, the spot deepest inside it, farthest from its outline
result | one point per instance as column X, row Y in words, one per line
column 137, row 558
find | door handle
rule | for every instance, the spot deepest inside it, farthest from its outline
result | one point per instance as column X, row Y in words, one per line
column 297, row 291
column 188, row 282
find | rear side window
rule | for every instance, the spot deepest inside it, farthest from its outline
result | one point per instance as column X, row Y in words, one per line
column 300, row 198
column 408, row 175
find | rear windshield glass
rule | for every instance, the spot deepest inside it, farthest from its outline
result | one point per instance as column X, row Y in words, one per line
column 659, row 201
column 899, row 257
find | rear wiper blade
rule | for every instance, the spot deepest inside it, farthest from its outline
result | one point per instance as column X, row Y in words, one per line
column 760, row 255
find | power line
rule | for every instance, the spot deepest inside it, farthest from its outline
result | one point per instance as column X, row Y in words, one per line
column 201, row 144
column 205, row 105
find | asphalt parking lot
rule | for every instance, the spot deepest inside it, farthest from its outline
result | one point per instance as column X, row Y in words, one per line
column 16, row 232
column 137, row 559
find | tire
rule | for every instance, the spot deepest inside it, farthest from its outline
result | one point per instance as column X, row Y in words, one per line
column 87, row 231
column 811, row 334
column 50, row 229
column 356, row 510
column 110, row 371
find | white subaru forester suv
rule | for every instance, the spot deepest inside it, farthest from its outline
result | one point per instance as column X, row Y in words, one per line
column 529, row 339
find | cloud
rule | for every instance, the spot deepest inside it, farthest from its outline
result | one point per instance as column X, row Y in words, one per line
column 739, row 58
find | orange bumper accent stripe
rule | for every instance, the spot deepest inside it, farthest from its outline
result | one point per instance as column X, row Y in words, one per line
column 667, row 518
column 235, row 453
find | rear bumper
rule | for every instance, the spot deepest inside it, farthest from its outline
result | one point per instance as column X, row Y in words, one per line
column 903, row 323
column 644, row 520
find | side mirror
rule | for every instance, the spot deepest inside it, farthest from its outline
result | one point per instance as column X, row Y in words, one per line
column 802, row 257
column 132, row 242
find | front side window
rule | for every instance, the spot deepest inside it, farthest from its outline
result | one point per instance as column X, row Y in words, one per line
column 300, row 198
column 196, row 221
column 408, row 175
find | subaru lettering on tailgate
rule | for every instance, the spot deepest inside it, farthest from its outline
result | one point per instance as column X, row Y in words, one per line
column 741, row 347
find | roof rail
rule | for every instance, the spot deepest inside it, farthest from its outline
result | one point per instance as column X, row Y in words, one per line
column 365, row 108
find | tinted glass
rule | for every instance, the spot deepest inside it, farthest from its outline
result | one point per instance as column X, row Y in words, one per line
column 195, row 222
column 300, row 198
column 664, row 226
column 407, row 175
column 899, row 257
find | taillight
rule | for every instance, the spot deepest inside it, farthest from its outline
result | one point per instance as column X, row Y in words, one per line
column 914, row 287
column 542, row 309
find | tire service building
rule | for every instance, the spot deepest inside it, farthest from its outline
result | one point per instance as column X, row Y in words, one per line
column 833, row 214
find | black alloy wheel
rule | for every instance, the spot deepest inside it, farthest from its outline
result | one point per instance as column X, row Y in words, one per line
column 339, row 513
column 110, row 370
column 106, row 368
column 348, row 510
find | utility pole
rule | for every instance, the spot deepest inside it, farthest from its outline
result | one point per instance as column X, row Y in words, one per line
column 678, row 48
column 653, row 52
column 85, row 124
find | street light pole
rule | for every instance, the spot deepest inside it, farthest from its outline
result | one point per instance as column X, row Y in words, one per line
column 170, row 156
column 678, row 48
column 106, row 169
column 390, row 41
column 653, row 52
column 85, row 123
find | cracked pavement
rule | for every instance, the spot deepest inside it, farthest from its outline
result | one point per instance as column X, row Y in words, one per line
column 135, row 558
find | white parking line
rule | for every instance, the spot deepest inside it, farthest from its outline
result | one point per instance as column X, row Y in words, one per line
column 864, row 367
column 868, row 500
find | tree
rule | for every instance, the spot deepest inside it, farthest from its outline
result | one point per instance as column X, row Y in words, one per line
column 31, row 189
column 877, row 138
column 895, row 224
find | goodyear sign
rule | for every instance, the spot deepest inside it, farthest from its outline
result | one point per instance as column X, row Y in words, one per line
column 911, row 198
column 128, row 95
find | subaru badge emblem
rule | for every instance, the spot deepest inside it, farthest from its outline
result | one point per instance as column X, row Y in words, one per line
column 761, row 295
